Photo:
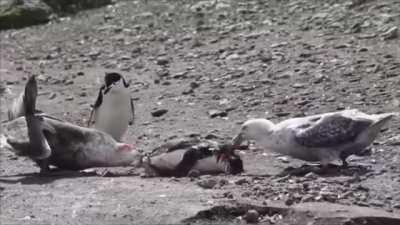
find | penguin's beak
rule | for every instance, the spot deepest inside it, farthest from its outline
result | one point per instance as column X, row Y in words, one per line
column 237, row 140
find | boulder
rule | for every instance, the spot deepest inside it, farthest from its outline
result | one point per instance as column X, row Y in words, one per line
column 316, row 213
column 72, row 6
column 22, row 13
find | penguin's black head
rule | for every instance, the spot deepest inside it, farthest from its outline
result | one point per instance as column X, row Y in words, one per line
column 111, row 78
column 235, row 163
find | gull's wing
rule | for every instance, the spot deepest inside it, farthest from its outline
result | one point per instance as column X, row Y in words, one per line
column 330, row 130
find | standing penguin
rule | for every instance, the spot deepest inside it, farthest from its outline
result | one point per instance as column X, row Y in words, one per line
column 113, row 110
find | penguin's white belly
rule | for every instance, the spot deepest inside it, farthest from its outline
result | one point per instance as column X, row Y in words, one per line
column 113, row 116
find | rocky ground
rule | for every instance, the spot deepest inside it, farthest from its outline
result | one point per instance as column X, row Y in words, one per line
column 210, row 65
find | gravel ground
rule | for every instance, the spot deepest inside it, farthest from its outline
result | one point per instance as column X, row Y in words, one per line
column 211, row 65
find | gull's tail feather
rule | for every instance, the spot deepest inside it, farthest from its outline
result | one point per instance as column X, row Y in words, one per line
column 380, row 121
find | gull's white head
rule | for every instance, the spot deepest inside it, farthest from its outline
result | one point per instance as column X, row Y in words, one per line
column 254, row 129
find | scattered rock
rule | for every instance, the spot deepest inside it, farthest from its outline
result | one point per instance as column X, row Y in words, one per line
column 194, row 173
column 68, row 82
column 251, row 216
column 163, row 72
column 24, row 13
column 194, row 85
column 188, row 91
column 211, row 136
column 208, row 183
column 217, row 113
column 53, row 95
column 298, row 85
column 283, row 159
column 242, row 181
column 282, row 114
column 391, row 33
column 162, row 60
column 72, row 6
column 159, row 112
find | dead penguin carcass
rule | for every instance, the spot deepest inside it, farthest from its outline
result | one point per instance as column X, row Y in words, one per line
column 186, row 156
column 49, row 141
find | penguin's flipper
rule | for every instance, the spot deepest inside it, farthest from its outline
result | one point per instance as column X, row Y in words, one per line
column 132, row 112
column 90, row 117
column 96, row 105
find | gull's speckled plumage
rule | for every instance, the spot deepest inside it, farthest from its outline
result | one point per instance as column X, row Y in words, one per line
column 324, row 137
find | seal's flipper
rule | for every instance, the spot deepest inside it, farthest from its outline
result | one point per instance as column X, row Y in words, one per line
column 40, row 148
column 30, row 96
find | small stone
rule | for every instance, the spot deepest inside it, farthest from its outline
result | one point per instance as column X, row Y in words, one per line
column 211, row 136
column 242, row 181
column 283, row 159
column 94, row 54
column 311, row 176
column 228, row 195
column 194, row 85
column 305, row 55
column 246, row 194
column 53, row 95
column 180, row 75
column 391, row 33
column 217, row 113
column 70, row 98
column 223, row 182
column 234, row 56
column 80, row 73
column 162, row 72
column 251, row 216
column 247, row 88
column 68, row 82
column 207, row 183
column 377, row 203
column 159, row 112
column 194, row 173
column 188, row 92
column 162, row 60
column 282, row 114
column 298, row 85
column 265, row 57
